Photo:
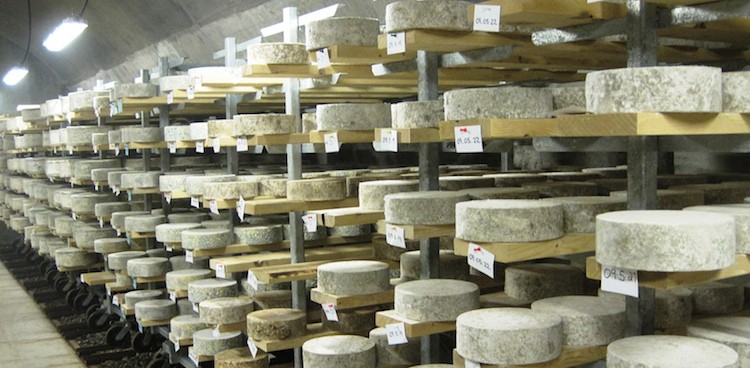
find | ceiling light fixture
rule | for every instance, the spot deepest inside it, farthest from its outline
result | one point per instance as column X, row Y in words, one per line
column 17, row 73
column 66, row 32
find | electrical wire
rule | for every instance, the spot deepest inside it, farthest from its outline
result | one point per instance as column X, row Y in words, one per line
column 28, row 42
column 85, row 3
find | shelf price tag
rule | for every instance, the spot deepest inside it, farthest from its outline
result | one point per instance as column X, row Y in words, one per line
column 252, row 280
column 173, row 297
column 168, row 197
column 481, row 260
column 135, row 283
column 221, row 271
column 191, row 93
column 96, row 150
column 396, row 333
column 117, row 149
column 216, row 332
column 194, row 202
column 241, row 209
column 331, row 142
column 176, row 345
column 620, row 280
column 330, row 312
column 253, row 348
column 324, row 58
column 172, row 147
column 193, row 357
column 468, row 139
column 311, row 222
column 487, row 18
column 216, row 144
column 389, row 140
column 196, row 309
column 127, row 150
column 471, row 364
column 189, row 256
column 199, row 147
column 116, row 301
column 242, row 145
column 395, row 236
column 170, row 98
column 395, row 43
column 101, row 223
column 214, row 207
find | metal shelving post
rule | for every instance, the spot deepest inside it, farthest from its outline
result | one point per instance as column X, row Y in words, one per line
column 231, row 100
column 163, row 123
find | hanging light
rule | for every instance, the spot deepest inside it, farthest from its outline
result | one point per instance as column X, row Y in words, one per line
column 64, row 34
column 15, row 75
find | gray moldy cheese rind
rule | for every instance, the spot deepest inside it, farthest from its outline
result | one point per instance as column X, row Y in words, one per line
column 587, row 320
column 169, row 83
column 568, row 96
column 741, row 220
column 142, row 135
column 140, row 180
column 107, row 208
column 206, row 289
column 179, row 280
column 114, row 136
column 81, row 135
column 670, row 199
column 448, row 15
column 276, row 324
column 435, row 300
column 669, row 352
column 665, row 241
column 171, row 182
column 721, row 193
column 172, row 233
column 85, row 203
column 134, row 297
column 323, row 189
column 225, row 310
column 451, row 266
column 729, row 331
column 174, row 133
column 344, row 351
column 119, row 260
column 509, row 336
column 230, row 190
column 187, row 217
column 352, row 321
column 372, row 193
column 144, row 223
column 422, row 208
column 221, row 127
column 347, row 31
column 206, row 238
column 259, row 235
column 148, row 267
column 74, row 257
column 117, row 219
column 82, row 168
column 417, row 114
column 454, row 183
column 498, row 103
column 715, row 298
column 86, row 235
column 194, row 183
column 110, row 245
column 183, row 327
column 531, row 282
column 353, row 277
column 734, row 92
column 563, row 189
column 394, row 355
column 654, row 89
column 277, row 53
column 135, row 90
column 205, row 342
column 500, row 193
column 508, row 221
column 180, row 263
column 260, row 124
column 155, row 310
column 240, row 358
column 349, row 231
column 353, row 116
column 580, row 212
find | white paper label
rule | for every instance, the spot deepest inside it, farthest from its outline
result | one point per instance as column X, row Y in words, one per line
column 221, row 271
column 196, row 309
column 396, row 333
column 194, row 202
column 330, row 312
column 253, row 348
column 216, row 332
column 214, row 207
column 189, row 256
column 620, row 281
column 101, row 223
column 389, row 140
column 311, row 222
column 194, row 357
column 118, row 232
column 242, row 145
column 168, row 197
column 471, row 364
column 117, row 149
column 115, row 301
column 74, row 217
column 252, row 280
column 169, row 248
column 176, row 346
column 172, row 147
column 395, row 43
column 70, row 151
column 82, row 279
column 481, row 260
column 140, row 328
column 241, row 209
column 190, row 93
column 96, row 150
column 324, row 59
column 127, row 150
column 135, row 283
column 468, row 139
column 216, row 145
column 487, row 18
column 170, row 98
column 96, row 187
column 331, row 142
column 395, row 236
column 199, row 147
column 173, row 297
column 130, row 196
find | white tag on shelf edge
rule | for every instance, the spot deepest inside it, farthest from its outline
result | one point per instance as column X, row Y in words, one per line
column 196, row 309
column 330, row 312
column 311, row 222
column 194, row 202
column 396, row 333
column 176, row 346
column 388, row 140
column 395, row 43
column 324, row 58
column 471, row 364
column 190, row 93
column 216, row 145
column 168, row 197
column 173, row 297
column 253, row 348
column 170, row 98
column 199, row 147
column 481, row 260
column 487, row 18
column 115, row 301
column 188, row 256
column 395, row 236
column 241, row 209
column 620, row 281
column 216, row 332
column 194, row 357
column 172, row 147
column 221, row 271
column 252, row 280
column 468, row 139
column 331, row 142
column 214, row 207
column 242, row 145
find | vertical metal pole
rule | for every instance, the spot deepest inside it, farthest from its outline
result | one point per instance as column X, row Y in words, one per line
column 294, row 172
column 163, row 123
column 429, row 167
column 233, row 157
column 642, row 153
column 146, row 78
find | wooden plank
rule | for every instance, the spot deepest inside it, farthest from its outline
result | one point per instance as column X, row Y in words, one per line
column 571, row 356
column 139, row 235
column 146, row 145
column 144, row 191
column 82, row 268
column 148, row 323
column 180, row 342
column 146, row 280
column 198, row 358
column 98, row 278
column 413, row 328
column 357, row 55
column 504, row 128
column 244, row 248
column 423, row 135
column 283, row 205
column 344, row 136
column 555, row 14
column 453, row 41
column 248, row 262
column 418, row 232
column 654, row 124
column 281, row 71
column 314, row 330
column 343, row 302
column 669, row 280
column 351, row 216
column 290, row 272
column 516, row 252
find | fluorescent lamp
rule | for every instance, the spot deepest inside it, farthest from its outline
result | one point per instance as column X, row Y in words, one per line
column 14, row 75
column 64, row 34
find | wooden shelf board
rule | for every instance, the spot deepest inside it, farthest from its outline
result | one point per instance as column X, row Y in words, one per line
column 504, row 128
column 82, row 268
column 555, row 14
column 356, row 55
column 500, row 299
column 286, row 244
column 280, row 71
column 178, row 294
column 113, row 288
column 80, row 182
column 177, row 194
column 146, row 145
column 413, row 328
column 199, row 358
column 669, row 280
column 137, row 191
column 422, row 135
column 283, row 205
column 290, row 272
column 231, row 327
column 342, row 302
column 418, row 232
column 138, row 235
column 147, row 323
column 350, row 216
column 344, row 136
column 146, row 280
column 180, row 342
column 314, row 330
column 248, row 262
column 516, row 252
column 570, row 357
column 98, row 278
column 452, row 41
